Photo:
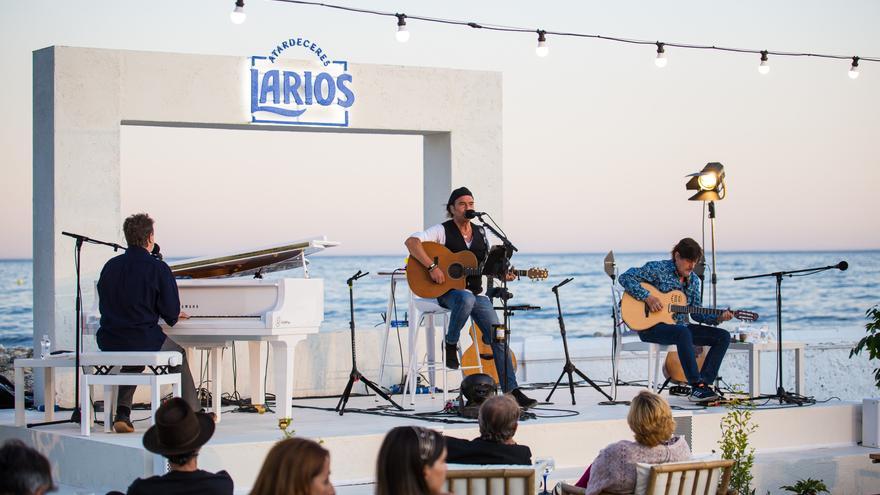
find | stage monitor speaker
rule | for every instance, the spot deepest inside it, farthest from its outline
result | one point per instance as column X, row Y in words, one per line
column 871, row 422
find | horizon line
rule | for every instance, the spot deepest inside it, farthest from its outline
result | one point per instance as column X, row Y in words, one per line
column 736, row 251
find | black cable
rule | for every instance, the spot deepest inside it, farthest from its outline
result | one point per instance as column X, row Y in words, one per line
column 634, row 41
column 399, row 343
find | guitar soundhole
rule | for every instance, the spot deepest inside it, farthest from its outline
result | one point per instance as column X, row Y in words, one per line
column 455, row 270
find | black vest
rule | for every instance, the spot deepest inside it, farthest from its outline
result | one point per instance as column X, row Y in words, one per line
column 479, row 246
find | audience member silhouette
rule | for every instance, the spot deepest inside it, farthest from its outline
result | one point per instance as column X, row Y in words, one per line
column 412, row 461
column 499, row 418
column 295, row 466
column 178, row 435
column 23, row 470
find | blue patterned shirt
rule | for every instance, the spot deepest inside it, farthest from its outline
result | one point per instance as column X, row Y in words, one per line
column 663, row 276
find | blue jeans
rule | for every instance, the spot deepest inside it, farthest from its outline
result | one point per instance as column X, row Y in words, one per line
column 684, row 337
column 463, row 304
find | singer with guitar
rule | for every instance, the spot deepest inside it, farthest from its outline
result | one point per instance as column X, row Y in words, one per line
column 459, row 234
column 677, row 274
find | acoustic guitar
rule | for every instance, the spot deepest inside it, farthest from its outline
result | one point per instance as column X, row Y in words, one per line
column 487, row 357
column 672, row 368
column 638, row 316
column 456, row 268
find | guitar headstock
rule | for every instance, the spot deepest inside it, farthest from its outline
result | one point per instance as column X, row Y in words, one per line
column 537, row 273
column 744, row 315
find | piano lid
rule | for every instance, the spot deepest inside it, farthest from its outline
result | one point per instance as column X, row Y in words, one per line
column 262, row 260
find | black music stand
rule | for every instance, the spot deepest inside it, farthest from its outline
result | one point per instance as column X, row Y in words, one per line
column 76, row 414
column 781, row 394
column 355, row 375
column 569, row 367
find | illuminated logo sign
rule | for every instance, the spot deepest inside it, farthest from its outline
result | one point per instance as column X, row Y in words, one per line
column 291, row 92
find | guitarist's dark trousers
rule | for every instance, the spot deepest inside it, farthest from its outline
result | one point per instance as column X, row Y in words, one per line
column 463, row 304
column 684, row 337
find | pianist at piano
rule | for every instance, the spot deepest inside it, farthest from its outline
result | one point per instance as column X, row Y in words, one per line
column 135, row 290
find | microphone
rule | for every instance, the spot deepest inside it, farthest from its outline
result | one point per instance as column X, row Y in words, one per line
column 473, row 214
column 155, row 252
column 843, row 265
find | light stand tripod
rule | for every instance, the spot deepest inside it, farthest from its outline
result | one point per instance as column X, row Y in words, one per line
column 569, row 367
column 355, row 375
column 76, row 415
column 714, row 279
column 781, row 394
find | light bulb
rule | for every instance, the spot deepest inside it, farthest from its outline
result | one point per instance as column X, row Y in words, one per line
column 854, row 68
column 542, row 49
column 661, row 60
column 237, row 16
column 402, row 34
column 764, row 67
column 708, row 181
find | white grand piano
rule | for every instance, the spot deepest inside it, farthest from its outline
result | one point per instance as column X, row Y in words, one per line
column 226, row 304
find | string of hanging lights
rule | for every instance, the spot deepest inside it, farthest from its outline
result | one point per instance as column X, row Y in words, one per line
column 542, row 49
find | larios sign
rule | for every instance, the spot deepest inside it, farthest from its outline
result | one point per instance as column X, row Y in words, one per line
column 297, row 93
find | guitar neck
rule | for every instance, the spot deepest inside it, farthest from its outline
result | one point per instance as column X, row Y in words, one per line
column 696, row 310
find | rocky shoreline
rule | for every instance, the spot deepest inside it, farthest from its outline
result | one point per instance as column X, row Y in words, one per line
column 7, row 357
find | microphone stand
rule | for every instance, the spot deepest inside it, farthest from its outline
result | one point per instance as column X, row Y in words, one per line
column 611, row 271
column 76, row 415
column 355, row 375
column 509, row 247
column 569, row 367
column 781, row 394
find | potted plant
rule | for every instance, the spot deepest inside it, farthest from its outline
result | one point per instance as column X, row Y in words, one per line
column 736, row 426
column 808, row 486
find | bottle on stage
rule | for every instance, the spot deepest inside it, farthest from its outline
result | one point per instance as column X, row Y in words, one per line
column 45, row 347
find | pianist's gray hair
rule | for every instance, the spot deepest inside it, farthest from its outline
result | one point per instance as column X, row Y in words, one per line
column 498, row 418
column 137, row 229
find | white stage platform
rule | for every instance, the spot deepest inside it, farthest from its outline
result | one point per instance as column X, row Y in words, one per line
column 792, row 442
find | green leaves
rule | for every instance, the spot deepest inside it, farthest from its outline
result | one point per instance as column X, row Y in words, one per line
column 808, row 486
column 736, row 426
column 871, row 342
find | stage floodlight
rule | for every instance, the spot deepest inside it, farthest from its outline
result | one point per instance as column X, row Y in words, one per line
column 709, row 183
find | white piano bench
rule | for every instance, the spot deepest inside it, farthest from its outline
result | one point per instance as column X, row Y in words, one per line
column 106, row 375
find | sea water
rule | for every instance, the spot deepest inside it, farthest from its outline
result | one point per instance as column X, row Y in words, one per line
column 824, row 307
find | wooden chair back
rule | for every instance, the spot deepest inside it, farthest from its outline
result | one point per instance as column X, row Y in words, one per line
column 491, row 481
column 698, row 477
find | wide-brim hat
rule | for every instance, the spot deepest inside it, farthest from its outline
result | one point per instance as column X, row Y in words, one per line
column 178, row 429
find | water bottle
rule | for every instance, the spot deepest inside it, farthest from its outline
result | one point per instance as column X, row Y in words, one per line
column 45, row 346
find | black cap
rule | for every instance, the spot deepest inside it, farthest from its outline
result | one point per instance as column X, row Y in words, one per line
column 461, row 191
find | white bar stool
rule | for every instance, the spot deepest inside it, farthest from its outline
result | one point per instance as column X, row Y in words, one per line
column 390, row 319
column 654, row 359
column 423, row 311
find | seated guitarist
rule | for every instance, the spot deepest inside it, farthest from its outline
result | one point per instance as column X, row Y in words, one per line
column 459, row 234
column 677, row 273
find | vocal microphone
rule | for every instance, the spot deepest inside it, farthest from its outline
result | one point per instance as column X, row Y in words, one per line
column 155, row 252
column 473, row 214
column 843, row 265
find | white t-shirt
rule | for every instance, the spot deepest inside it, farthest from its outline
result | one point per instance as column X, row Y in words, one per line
column 437, row 233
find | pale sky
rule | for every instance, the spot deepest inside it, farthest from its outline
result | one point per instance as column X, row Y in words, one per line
column 596, row 138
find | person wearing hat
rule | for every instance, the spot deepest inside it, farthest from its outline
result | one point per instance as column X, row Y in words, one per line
column 178, row 435
column 459, row 234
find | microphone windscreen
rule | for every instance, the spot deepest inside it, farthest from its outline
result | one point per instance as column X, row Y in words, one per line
column 843, row 265
column 470, row 214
